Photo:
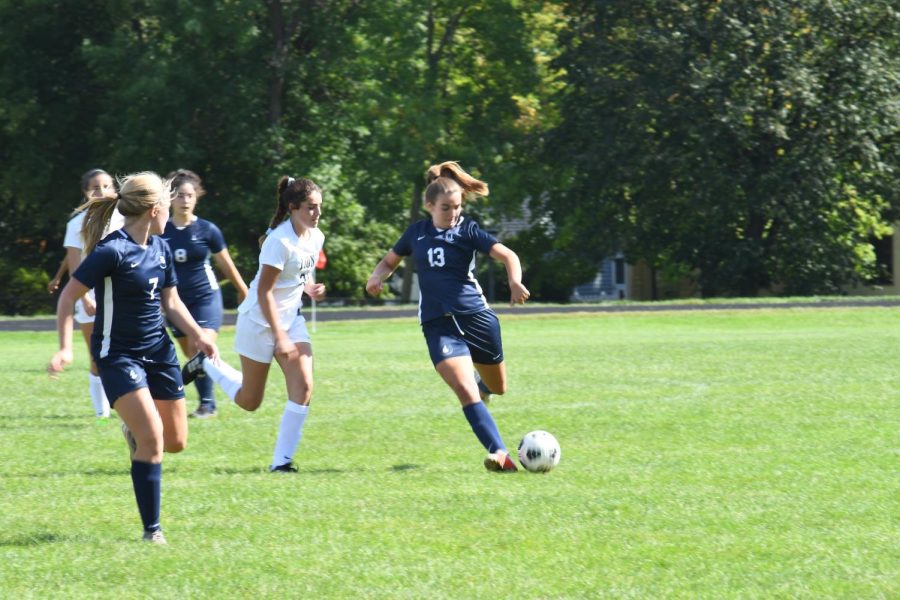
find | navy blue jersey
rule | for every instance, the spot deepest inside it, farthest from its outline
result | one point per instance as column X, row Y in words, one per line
column 191, row 247
column 127, row 279
column 445, row 262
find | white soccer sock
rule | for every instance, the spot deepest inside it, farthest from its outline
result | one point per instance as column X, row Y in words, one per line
column 98, row 395
column 228, row 378
column 289, row 433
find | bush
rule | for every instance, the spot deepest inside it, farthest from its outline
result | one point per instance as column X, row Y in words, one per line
column 25, row 292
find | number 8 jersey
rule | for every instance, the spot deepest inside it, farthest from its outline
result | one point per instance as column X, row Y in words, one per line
column 445, row 263
column 127, row 279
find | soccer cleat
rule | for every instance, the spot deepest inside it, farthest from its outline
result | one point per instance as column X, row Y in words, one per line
column 129, row 439
column 285, row 468
column 204, row 411
column 499, row 461
column 155, row 537
column 193, row 368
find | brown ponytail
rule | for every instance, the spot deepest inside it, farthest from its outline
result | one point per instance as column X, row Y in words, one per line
column 290, row 194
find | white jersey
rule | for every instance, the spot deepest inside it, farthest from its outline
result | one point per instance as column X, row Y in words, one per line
column 296, row 258
column 73, row 229
column 73, row 240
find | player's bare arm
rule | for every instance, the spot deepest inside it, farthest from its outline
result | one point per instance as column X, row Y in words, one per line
column 518, row 292
column 383, row 270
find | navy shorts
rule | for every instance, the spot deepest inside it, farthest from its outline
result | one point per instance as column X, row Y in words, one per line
column 158, row 370
column 476, row 335
column 207, row 312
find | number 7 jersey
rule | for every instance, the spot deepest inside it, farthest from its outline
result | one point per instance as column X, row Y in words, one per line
column 445, row 263
column 127, row 279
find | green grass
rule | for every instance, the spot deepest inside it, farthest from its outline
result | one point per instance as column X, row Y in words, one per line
column 713, row 454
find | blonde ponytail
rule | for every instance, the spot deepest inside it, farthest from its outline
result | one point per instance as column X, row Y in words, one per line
column 97, row 215
column 451, row 170
column 138, row 193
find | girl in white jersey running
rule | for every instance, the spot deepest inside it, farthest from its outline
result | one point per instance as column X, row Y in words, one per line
column 95, row 183
column 269, row 322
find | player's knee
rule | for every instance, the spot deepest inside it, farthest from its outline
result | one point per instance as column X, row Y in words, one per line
column 149, row 446
column 248, row 403
column 175, row 446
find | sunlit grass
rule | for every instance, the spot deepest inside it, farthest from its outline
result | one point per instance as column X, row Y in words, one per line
column 705, row 454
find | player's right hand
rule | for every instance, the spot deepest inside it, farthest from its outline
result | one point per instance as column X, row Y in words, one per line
column 285, row 347
column 374, row 285
column 59, row 362
column 518, row 293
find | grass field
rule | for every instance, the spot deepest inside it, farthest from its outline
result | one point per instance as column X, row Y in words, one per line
column 711, row 454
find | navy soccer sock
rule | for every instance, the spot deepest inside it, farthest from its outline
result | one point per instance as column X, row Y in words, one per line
column 483, row 425
column 204, row 387
column 147, row 478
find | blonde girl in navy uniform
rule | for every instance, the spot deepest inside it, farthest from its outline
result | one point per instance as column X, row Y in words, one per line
column 193, row 241
column 460, row 329
column 132, row 273
column 270, row 325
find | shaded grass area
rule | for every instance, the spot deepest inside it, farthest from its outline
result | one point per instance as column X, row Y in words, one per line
column 709, row 454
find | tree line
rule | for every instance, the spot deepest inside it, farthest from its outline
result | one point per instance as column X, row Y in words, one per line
column 745, row 145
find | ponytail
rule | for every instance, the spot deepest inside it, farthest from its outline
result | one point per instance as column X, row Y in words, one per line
column 97, row 215
column 137, row 194
column 451, row 170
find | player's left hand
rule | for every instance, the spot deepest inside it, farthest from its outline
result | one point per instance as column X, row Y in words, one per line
column 52, row 286
column 59, row 362
column 518, row 293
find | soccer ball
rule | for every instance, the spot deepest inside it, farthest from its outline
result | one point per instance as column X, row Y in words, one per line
column 539, row 451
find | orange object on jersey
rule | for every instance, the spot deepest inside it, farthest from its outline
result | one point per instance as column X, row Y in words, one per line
column 322, row 261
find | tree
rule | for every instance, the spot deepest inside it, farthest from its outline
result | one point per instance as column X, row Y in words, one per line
column 749, row 143
column 241, row 92
column 447, row 80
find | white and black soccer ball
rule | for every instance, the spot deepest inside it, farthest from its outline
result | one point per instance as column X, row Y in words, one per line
column 539, row 451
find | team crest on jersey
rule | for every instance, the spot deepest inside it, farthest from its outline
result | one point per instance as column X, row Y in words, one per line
column 133, row 374
column 445, row 350
column 447, row 236
column 162, row 260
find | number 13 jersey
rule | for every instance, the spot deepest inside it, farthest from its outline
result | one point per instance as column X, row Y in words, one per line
column 445, row 263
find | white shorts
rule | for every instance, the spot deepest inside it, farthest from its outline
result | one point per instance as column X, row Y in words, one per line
column 81, row 316
column 256, row 342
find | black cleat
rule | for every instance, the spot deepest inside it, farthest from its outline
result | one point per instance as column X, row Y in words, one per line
column 193, row 368
column 204, row 411
column 285, row 468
